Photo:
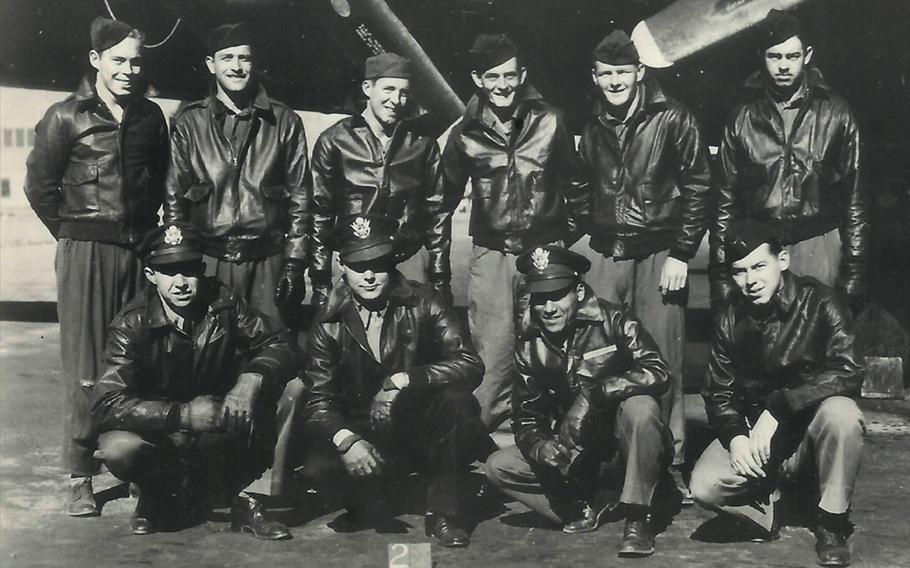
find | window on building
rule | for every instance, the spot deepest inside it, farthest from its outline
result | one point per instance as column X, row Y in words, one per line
column 30, row 137
column 20, row 137
column 7, row 136
column 4, row 187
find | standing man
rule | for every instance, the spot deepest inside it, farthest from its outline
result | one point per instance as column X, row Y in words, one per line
column 790, row 158
column 377, row 163
column 96, row 180
column 589, row 368
column 647, row 210
column 520, row 158
column 389, row 380
column 186, row 400
column 782, row 369
column 239, row 172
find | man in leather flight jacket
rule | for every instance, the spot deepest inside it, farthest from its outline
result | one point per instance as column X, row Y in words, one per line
column 588, row 367
column 95, row 178
column 521, row 161
column 791, row 158
column 378, row 163
column 782, row 369
column 648, row 208
column 239, row 172
column 389, row 379
column 185, row 404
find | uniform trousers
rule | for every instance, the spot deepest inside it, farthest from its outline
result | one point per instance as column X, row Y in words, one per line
column 829, row 446
column 818, row 257
column 253, row 280
column 634, row 433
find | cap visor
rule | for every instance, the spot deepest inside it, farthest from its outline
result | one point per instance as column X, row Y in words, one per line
column 368, row 254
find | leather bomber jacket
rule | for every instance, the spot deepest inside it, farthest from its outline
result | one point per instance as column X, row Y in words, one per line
column 803, row 183
column 525, row 188
column 92, row 178
column 149, row 366
column 803, row 353
column 420, row 336
column 351, row 177
column 249, row 203
column 610, row 357
column 653, row 191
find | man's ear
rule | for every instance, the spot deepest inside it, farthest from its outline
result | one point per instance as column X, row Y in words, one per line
column 524, row 75
column 366, row 87
column 94, row 58
column 809, row 52
column 478, row 81
column 640, row 73
column 149, row 274
column 580, row 291
column 783, row 259
column 210, row 63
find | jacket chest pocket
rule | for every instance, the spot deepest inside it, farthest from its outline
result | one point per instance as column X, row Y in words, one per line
column 595, row 362
column 80, row 188
column 658, row 203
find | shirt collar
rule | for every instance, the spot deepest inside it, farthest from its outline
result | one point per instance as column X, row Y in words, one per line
column 260, row 102
column 341, row 299
column 374, row 125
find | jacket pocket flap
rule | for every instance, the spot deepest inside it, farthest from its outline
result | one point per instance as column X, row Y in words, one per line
column 654, row 194
column 198, row 192
column 276, row 192
column 78, row 174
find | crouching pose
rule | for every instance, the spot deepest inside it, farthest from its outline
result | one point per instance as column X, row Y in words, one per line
column 588, row 367
column 782, row 368
column 390, row 378
column 185, row 404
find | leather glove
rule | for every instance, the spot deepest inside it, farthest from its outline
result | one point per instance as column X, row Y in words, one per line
column 551, row 453
column 202, row 414
column 291, row 288
column 322, row 286
column 442, row 284
column 240, row 401
column 572, row 422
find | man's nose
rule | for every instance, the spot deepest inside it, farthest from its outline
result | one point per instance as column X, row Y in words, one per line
column 369, row 276
column 501, row 83
column 180, row 281
column 549, row 307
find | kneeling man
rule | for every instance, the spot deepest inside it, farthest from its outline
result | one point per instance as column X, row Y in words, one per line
column 390, row 377
column 588, row 381
column 186, row 399
column 782, row 368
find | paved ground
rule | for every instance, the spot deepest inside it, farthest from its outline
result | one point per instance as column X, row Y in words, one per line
column 33, row 531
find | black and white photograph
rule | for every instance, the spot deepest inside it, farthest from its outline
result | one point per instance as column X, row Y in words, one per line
column 454, row 283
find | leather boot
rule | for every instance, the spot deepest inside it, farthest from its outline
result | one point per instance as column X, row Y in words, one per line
column 82, row 499
column 247, row 514
column 637, row 535
column 831, row 536
column 448, row 531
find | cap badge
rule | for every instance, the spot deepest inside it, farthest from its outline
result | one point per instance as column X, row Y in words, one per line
column 361, row 228
column 540, row 259
column 173, row 236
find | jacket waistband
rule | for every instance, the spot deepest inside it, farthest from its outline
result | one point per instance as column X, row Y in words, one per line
column 517, row 243
column 103, row 231
column 234, row 249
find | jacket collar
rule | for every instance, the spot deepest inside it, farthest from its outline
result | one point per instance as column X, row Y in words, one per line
column 341, row 301
column 87, row 97
column 589, row 311
column 260, row 103
column 653, row 98
column 786, row 296
column 526, row 97
column 213, row 295
column 815, row 82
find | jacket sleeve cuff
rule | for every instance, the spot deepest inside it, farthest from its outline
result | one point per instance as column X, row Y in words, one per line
column 728, row 434
column 776, row 403
column 682, row 254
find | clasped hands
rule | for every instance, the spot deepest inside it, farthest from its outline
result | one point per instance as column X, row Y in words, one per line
column 234, row 413
column 750, row 454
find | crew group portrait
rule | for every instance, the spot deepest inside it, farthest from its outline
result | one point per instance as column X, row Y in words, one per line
column 235, row 298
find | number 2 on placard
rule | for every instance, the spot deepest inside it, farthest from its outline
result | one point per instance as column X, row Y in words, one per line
column 398, row 556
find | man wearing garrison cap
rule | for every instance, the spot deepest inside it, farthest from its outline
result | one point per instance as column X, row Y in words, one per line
column 647, row 207
column 588, row 367
column 95, row 178
column 239, row 172
column 520, row 159
column 378, row 163
column 389, row 380
column 791, row 158
column 781, row 374
column 185, row 402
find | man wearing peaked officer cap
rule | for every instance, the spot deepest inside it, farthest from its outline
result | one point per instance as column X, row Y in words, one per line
column 589, row 367
column 519, row 201
column 172, row 411
column 240, row 155
column 95, row 178
column 645, row 225
column 781, row 403
column 396, row 169
column 390, row 374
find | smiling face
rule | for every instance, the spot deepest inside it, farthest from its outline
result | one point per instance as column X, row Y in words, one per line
column 500, row 84
column 618, row 83
column 387, row 98
column 232, row 68
column 785, row 62
column 368, row 281
column 760, row 273
column 119, row 67
column 554, row 311
column 177, row 283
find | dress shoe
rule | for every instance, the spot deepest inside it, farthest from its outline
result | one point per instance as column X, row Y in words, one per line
column 679, row 482
column 82, row 499
column 637, row 537
column 143, row 521
column 591, row 518
column 248, row 515
column 831, row 547
column 447, row 531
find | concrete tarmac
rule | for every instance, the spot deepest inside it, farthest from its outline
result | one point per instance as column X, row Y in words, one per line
column 35, row 532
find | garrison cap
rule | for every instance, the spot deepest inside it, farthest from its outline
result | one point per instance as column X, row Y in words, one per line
column 365, row 238
column 777, row 27
column 745, row 236
column 229, row 35
column 108, row 33
column 171, row 243
column 617, row 49
column 550, row 268
column 490, row 50
column 387, row 65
